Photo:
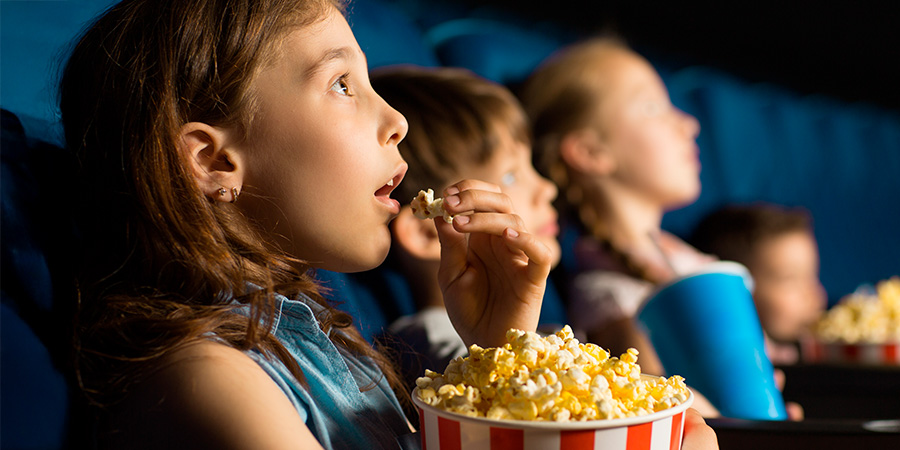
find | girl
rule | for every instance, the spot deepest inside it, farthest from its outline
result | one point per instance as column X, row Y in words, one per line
column 227, row 147
column 607, row 134
column 622, row 155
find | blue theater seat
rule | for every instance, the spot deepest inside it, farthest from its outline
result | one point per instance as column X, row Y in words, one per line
column 499, row 51
column 37, row 234
column 388, row 35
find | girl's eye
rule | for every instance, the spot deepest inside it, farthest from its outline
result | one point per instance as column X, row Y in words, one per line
column 508, row 179
column 341, row 86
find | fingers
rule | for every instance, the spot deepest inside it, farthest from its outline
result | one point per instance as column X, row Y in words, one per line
column 480, row 207
column 454, row 246
column 476, row 196
column 539, row 256
column 489, row 223
column 794, row 411
column 453, row 251
column 470, row 184
column 697, row 434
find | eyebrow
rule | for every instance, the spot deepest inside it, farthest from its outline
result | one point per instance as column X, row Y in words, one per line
column 327, row 57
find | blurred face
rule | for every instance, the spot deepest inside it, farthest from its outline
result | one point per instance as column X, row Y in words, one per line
column 652, row 142
column 532, row 195
column 789, row 295
column 321, row 157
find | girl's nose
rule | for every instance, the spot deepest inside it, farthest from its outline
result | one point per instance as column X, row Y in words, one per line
column 394, row 127
column 547, row 190
column 691, row 124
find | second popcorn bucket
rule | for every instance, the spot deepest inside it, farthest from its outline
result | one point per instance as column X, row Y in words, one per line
column 863, row 329
column 704, row 326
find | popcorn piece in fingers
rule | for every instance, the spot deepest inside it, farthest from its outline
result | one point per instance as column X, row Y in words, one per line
column 425, row 206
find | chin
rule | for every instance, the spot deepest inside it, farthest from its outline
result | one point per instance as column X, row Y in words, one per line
column 354, row 264
column 367, row 260
column 357, row 258
column 686, row 196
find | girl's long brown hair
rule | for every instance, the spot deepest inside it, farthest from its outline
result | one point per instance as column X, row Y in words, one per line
column 162, row 262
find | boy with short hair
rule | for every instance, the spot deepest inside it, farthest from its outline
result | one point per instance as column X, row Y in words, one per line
column 779, row 248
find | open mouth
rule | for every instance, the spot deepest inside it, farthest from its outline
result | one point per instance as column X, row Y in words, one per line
column 385, row 191
column 383, row 194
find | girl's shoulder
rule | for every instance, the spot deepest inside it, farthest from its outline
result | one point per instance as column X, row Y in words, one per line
column 208, row 395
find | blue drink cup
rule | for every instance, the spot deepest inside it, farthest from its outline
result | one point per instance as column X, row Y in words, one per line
column 705, row 328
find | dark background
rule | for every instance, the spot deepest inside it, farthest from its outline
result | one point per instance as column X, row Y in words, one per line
column 845, row 49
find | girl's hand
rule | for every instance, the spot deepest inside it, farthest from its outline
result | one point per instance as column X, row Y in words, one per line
column 697, row 434
column 493, row 272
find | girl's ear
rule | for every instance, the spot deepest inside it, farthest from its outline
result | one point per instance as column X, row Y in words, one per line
column 585, row 152
column 416, row 237
column 217, row 168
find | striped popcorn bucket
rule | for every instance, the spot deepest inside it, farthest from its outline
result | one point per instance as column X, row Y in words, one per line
column 815, row 351
column 444, row 430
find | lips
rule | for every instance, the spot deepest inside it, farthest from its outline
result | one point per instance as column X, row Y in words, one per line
column 385, row 191
column 383, row 194
column 551, row 228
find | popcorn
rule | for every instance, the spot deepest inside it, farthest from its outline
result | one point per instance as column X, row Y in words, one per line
column 425, row 206
column 553, row 378
column 864, row 317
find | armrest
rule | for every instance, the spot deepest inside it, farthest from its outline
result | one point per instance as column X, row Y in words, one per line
column 737, row 434
column 833, row 391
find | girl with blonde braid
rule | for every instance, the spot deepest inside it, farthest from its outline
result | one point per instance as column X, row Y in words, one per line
column 622, row 155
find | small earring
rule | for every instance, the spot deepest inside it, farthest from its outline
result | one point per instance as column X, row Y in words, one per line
column 234, row 194
column 222, row 191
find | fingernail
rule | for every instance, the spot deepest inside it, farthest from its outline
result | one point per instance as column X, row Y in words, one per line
column 453, row 200
column 512, row 233
column 462, row 220
column 452, row 190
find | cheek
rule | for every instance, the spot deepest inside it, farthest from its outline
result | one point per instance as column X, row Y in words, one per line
column 786, row 302
column 297, row 198
column 654, row 172
column 521, row 204
column 645, row 152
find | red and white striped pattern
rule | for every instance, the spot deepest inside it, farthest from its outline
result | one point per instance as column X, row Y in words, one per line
column 870, row 354
column 441, row 433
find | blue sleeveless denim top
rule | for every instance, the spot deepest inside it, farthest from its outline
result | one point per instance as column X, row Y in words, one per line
column 333, row 407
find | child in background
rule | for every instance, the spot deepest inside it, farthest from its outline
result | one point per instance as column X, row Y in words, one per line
column 227, row 147
column 622, row 155
column 460, row 125
column 779, row 248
